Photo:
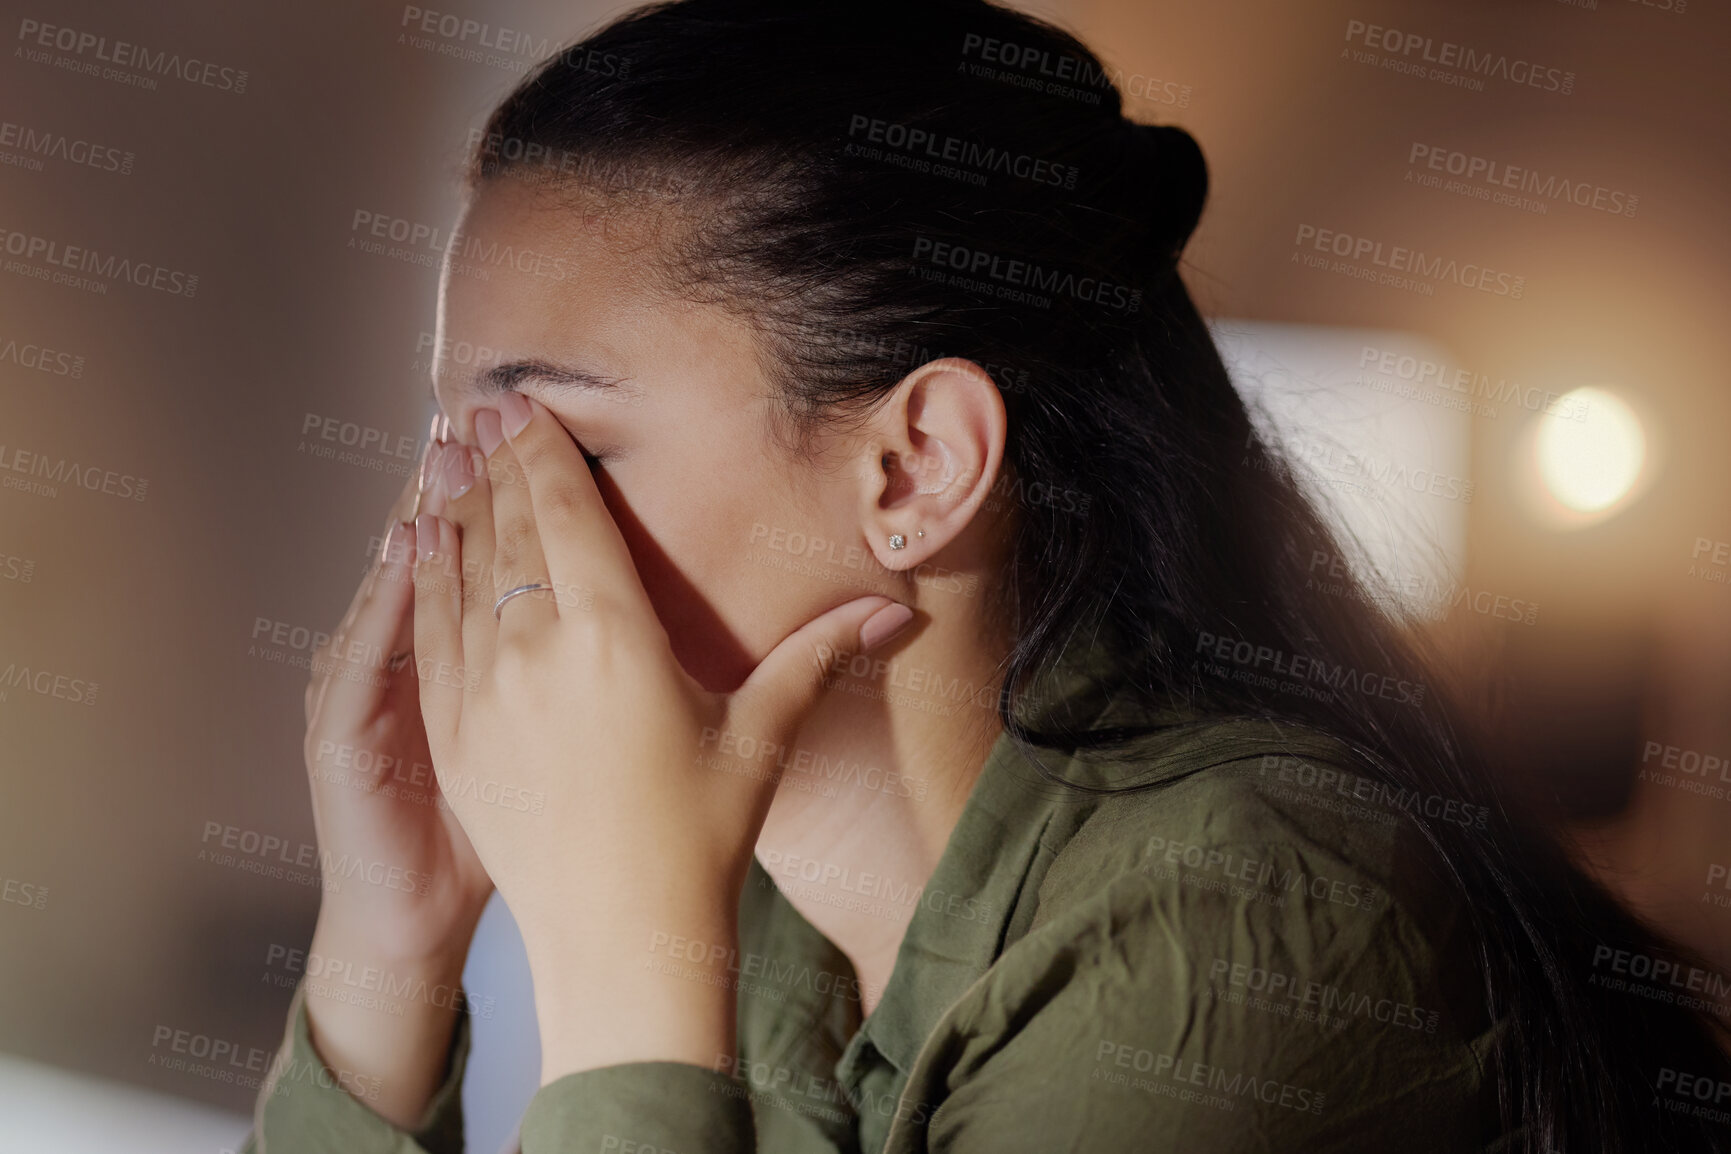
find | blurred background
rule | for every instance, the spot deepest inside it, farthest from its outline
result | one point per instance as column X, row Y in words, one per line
column 1526, row 426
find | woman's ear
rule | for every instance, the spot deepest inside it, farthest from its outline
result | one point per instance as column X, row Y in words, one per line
column 935, row 447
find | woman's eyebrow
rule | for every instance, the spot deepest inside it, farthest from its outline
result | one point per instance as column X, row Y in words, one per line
column 512, row 375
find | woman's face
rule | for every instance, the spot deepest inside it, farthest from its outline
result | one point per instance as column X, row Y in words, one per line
column 669, row 400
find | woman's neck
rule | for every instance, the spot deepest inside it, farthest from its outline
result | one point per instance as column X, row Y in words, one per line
column 871, row 791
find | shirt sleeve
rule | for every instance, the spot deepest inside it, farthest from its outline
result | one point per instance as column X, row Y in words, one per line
column 305, row 1107
column 668, row 1106
column 1167, row 1017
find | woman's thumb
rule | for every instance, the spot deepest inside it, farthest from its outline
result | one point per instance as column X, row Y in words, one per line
column 786, row 683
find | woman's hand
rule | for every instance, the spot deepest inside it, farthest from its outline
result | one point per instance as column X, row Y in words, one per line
column 635, row 832
column 403, row 889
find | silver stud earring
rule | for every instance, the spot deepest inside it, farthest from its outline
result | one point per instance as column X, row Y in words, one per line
column 919, row 532
column 897, row 541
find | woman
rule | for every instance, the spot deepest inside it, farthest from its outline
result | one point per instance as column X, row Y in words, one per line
column 857, row 628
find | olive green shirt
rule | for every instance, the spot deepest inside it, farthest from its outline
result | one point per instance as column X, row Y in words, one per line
column 1246, row 958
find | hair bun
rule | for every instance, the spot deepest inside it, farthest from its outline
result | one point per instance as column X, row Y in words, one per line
column 1172, row 170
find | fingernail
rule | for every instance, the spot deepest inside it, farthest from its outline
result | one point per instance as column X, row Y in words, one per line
column 434, row 496
column 487, row 430
column 513, row 413
column 458, row 478
column 430, row 465
column 883, row 625
column 426, row 536
column 396, row 542
column 443, row 424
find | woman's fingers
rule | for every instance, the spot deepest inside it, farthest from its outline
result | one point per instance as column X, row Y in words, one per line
column 469, row 505
column 437, row 435
column 518, row 558
column 584, row 550
column 354, row 668
column 438, row 628
column 394, row 583
column 791, row 677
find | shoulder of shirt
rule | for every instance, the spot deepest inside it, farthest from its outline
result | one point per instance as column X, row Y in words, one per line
column 1219, row 923
column 1269, row 825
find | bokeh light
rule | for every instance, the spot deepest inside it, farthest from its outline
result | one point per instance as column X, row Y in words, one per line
column 1591, row 464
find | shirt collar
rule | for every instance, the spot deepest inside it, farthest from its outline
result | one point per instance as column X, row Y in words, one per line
column 1014, row 820
column 958, row 929
column 1019, row 815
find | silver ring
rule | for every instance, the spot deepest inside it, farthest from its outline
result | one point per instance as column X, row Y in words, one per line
column 500, row 603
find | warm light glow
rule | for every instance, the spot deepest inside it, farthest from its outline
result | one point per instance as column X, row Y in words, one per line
column 1589, row 465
